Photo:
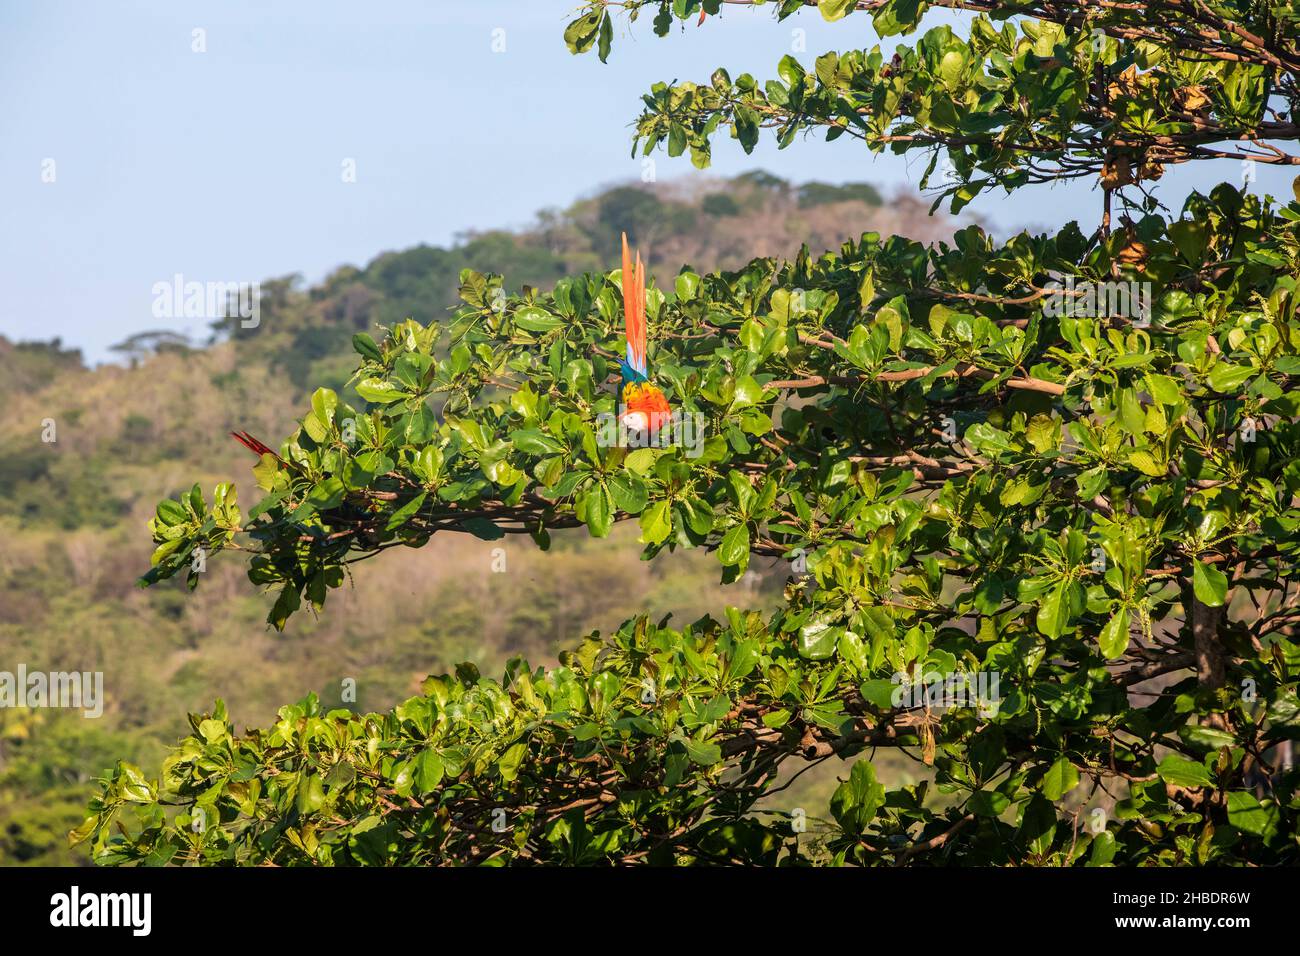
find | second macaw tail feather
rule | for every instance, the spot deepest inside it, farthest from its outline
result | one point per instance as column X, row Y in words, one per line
column 634, row 310
column 253, row 445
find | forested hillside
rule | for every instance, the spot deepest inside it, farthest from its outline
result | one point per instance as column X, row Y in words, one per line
column 72, row 512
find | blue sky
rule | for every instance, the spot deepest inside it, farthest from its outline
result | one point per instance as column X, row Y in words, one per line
column 226, row 165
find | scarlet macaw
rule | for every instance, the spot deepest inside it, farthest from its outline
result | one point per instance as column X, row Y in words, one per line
column 644, row 407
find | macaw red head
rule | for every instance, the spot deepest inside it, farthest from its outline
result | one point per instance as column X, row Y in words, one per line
column 646, row 409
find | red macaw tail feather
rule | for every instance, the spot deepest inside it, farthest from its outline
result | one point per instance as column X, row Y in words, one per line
column 253, row 445
column 700, row 21
column 634, row 309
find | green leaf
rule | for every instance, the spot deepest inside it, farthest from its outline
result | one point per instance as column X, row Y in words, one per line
column 213, row 731
column 323, row 404
column 534, row 441
column 1226, row 377
column 606, row 38
column 264, row 473
column 1209, row 583
column 1113, row 639
column 1182, row 772
column 629, row 493
column 366, row 347
column 428, row 770
column 581, row 33
column 1206, row 738
column 327, row 494
column 285, row 605
column 835, row 9
column 1146, row 463
column 315, row 428
column 311, row 794
column 988, row 803
column 497, row 469
column 1044, row 433
column 640, row 460
column 1038, row 825
column 508, row 764
column 1164, row 389
column 1245, row 812
column 656, row 523
column 818, row 641
column 703, row 753
column 734, row 550
column 380, row 391
column 1061, row 777
column 406, row 512
column 856, row 800
column 748, row 392
column 421, row 425
column 372, row 841
column 879, row 691
column 411, row 369
column 172, row 513
column 600, row 511
column 951, row 66
column 482, row 529
column 1103, row 849
column 1054, row 611
column 534, row 319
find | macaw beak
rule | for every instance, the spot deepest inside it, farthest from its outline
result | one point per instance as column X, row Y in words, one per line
column 637, row 421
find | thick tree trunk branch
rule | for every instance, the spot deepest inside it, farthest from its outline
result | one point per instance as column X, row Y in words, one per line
column 1208, row 650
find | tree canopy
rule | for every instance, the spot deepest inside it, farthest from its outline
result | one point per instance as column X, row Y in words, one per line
column 1061, row 469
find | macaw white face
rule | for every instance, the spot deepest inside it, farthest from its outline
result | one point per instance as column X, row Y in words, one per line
column 636, row 421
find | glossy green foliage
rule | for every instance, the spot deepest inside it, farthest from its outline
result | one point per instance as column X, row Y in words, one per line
column 1070, row 90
